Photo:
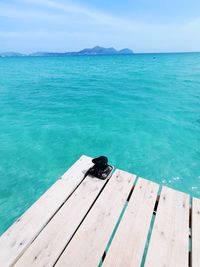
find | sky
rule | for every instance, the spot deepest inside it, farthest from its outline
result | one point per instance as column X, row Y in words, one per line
column 60, row 25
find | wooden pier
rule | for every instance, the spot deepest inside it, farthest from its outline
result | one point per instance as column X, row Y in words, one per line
column 121, row 221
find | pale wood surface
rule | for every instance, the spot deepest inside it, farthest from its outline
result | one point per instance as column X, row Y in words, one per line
column 128, row 244
column 169, row 242
column 88, row 244
column 47, row 247
column 49, row 230
column 195, row 232
column 19, row 236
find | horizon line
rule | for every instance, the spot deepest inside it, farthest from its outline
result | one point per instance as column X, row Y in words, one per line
column 134, row 53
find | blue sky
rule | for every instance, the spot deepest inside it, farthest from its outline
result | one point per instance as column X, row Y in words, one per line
column 62, row 25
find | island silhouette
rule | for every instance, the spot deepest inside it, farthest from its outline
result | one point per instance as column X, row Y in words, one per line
column 97, row 50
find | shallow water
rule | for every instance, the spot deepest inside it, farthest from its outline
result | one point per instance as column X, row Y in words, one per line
column 142, row 111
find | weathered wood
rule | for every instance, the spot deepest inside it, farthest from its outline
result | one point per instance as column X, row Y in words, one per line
column 169, row 242
column 89, row 242
column 19, row 236
column 71, row 224
column 195, row 232
column 128, row 245
column 47, row 247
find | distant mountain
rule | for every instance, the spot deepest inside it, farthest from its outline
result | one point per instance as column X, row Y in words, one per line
column 125, row 51
column 97, row 50
column 11, row 54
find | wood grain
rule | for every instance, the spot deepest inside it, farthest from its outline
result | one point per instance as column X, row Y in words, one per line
column 20, row 235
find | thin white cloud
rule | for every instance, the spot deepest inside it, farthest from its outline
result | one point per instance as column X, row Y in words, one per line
column 20, row 12
column 50, row 8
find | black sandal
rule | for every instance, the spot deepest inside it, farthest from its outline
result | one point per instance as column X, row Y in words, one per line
column 101, row 169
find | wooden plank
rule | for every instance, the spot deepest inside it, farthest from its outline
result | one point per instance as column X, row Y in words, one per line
column 88, row 244
column 47, row 247
column 195, row 232
column 169, row 242
column 128, row 245
column 19, row 236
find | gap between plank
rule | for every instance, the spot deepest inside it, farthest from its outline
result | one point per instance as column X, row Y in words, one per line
column 190, row 234
column 76, row 187
column 108, row 179
column 117, row 224
column 151, row 228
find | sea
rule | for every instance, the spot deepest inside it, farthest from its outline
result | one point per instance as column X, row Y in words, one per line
column 142, row 111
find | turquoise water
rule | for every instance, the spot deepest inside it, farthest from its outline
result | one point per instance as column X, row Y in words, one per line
column 140, row 111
